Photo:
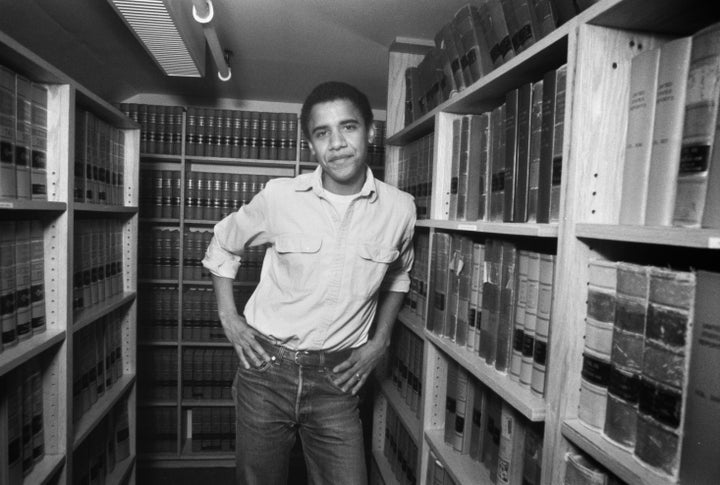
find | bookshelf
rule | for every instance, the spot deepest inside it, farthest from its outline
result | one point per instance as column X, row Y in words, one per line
column 597, row 45
column 53, row 351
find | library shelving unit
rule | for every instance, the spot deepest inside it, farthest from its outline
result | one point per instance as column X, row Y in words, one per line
column 107, row 418
column 596, row 45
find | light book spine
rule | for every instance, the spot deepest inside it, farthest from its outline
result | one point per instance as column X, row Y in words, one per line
column 8, row 184
column 638, row 138
column 519, row 321
column 667, row 130
column 536, row 133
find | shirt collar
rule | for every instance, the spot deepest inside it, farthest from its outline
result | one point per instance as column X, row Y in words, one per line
column 314, row 182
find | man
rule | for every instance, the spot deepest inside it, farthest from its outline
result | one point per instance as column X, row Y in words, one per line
column 315, row 326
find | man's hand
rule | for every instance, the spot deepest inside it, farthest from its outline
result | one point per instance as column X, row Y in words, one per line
column 242, row 336
column 357, row 368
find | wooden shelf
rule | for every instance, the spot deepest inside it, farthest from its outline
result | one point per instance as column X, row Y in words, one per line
column 410, row 420
column 665, row 16
column 87, row 316
column 32, row 205
column 615, row 458
column 255, row 162
column 202, row 343
column 12, row 357
column 207, row 403
column 84, row 207
column 101, row 407
column 159, row 157
column 160, row 221
column 197, row 460
column 668, row 236
column 44, row 471
column 121, row 471
column 519, row 397
column 463, row 469
column 506, row 228
column 413, row 322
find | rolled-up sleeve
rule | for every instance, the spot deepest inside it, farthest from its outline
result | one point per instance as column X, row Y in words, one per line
column 239, row 230
column 397, row 277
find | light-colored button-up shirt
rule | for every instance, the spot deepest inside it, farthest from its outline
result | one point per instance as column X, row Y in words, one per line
column 321, row 273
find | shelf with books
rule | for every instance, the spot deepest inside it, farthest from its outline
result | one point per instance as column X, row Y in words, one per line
column 83, row 207
column 13, row 357
column 393, row 445
column 663, row 235
column 36, row 206
column 45, row 471
column 521, row 398
column 488, row 227
column 615, row 458
column 461, row 468
column 89, row 315
column 408, row 417
column 87, row 422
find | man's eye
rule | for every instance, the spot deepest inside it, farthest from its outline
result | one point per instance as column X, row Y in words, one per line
column 350, row 127
column 320, row 134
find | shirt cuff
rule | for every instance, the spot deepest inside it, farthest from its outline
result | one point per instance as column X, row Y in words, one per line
column 220, row 262
column 399, row 283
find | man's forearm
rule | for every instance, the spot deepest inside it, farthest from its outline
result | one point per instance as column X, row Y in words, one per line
column 390, row 304
column 225, row 297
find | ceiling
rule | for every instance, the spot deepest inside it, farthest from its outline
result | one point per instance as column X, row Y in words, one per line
column 281, row 48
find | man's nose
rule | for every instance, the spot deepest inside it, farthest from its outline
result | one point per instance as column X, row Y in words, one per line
column 337, row 140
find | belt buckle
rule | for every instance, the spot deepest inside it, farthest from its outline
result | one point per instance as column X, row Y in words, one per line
column 298, row 353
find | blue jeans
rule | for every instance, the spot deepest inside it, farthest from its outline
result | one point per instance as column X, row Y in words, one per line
column 294, row 394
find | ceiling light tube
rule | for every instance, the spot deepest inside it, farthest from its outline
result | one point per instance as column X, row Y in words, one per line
column 203, row 13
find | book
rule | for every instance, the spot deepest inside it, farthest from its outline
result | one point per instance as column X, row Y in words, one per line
column 536, row 134
column 475, row 316
column 582, row 470
column 491, row 300
column 512, row 445
column 495, row 30
column 447, row 40
column 451, row 401
column 532, row 454
column 23, row 135
column 38, row 143
column 550, row 176
column 543, row 16
column 37, row 278
column 510, row 123
column 519, row 317
column 663, row 383
column 467, row 24
column 667, row 130
column 638, row 136
column 602, row 287
column 8, row 312
column 493, row 430
column 23, row 284
column 478, row 420
column 457, row 134
column 470, row 173
column 464, row 268
column 441, row 258
column 542, row 327
column 522, row 167
column 530, row 318
column 519, row 22
column 497, row 163
column 506, row 318
column 595, row 376
column 7, row 133
column 698, row 184
column 463, row 412
column 699, row 463
column 454, row 269
column 482, row 123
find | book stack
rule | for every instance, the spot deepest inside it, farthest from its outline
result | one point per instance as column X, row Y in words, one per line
column 107, row 445
column 583, row 470
column 97, row 362
column 212, row 429
column 399, row 448
column 415, row 173
column 671, row 174
column 405, row 366
column 157, row 313
column 416, row 299
column 158, row 381
column 23, row 137
column 207, row 373
column 157, row 429
column 648, row 345
column 210, row 196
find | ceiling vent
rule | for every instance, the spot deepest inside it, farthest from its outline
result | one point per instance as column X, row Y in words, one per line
column 166, row 29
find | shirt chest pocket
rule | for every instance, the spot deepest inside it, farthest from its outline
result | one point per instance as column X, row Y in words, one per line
column 371, row 263
column 298, row 261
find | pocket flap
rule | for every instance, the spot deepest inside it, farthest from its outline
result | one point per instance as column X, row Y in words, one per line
column 298, row 244
column 379, row 254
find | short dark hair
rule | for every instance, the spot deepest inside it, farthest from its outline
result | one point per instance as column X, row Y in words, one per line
column 331, row 91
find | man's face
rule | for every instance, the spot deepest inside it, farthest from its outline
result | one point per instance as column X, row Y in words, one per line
column 339, row 141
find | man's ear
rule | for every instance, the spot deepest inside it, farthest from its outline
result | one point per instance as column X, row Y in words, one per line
column 371, row 132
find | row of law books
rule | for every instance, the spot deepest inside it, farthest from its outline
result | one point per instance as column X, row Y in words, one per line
column 200, row 321
column 196, row 243
column 671, row 174
column 23, row 137
column 159, row 377
column 481, row 36
column 506, row 164
column 241, row 134
column 208, row 373
column 211, row 196
column 159, row 253
column 158, row 313
column 107, row 445
column 24, row 439
column 213, row 429
column 98, row 261
column 416, row 299
column 580, row 469
column 646, row 381
column 22, row 281
column 97, row 361
column 161, row 127
column 399, row 448
column 405, row 366
column 157, row 429
column 99, row 160
column 495, row 300
column 415, row 173
column 478, row 423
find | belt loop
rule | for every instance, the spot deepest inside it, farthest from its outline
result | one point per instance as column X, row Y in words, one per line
column 295, row 357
